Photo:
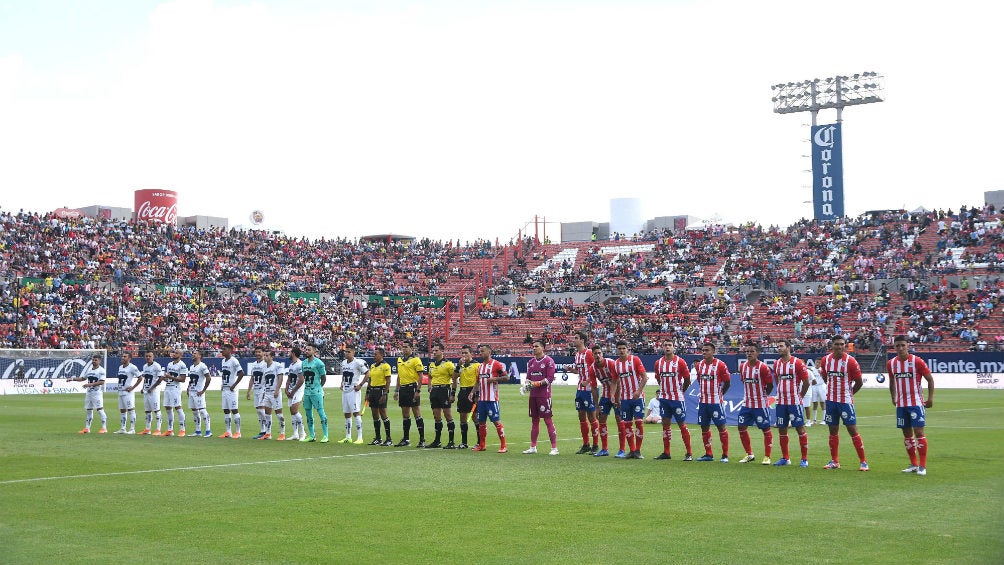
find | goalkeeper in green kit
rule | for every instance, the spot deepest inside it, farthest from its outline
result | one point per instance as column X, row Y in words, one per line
column 314, row 376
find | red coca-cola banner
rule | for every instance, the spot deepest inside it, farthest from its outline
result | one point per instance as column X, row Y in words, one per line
column 155, row 205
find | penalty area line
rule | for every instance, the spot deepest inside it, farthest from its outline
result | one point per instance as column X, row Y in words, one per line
column 196, row 467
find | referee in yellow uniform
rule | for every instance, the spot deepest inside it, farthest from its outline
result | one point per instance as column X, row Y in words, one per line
column 466, row 372
column 441, row 395
column 407, row 392
column 378, row 383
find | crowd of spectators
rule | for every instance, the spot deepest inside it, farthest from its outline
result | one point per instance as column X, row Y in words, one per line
column 83, row 283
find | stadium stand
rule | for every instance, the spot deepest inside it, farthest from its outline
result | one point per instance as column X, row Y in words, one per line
column 84, row 283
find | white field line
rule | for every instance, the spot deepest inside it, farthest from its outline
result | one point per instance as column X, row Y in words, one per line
column 219, row 466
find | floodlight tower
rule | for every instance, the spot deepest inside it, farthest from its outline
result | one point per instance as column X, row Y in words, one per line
column 814, row 95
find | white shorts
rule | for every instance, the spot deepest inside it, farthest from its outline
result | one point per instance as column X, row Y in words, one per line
column 172, row 397
column 94, row 401
column 151, row 401
column 350, row 401
column 196, row 402
column 259, row 398
column 818, row 393
column 127, row 401
column 273, row 402
column 229, row 399
column 297, row 397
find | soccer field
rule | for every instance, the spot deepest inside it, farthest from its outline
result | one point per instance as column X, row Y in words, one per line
column 117, row 498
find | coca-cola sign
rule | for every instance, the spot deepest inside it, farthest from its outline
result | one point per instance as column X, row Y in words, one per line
column 154, row 205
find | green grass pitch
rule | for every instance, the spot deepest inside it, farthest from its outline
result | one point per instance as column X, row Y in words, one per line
column 117, row 499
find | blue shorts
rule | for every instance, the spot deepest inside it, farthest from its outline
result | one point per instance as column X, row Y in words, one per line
column 754, row 417
column 836, row 411
column 910, row 417
column 708, row 414
column 675, row 408
column 633, row 409
column 487, row 410
column 606, row 405
column 584, row 401
column 789, row 415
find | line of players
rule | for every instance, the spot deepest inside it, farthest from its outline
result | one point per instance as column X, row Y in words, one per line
column 622, row 381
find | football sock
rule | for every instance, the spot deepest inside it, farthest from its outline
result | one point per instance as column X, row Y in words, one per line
column 723, row 436
column 261, row 419
column 594, row 428
column 451, row 429
column 784, row 446
column 89, row 419
column 205, row 419
column 744, row 437
column 420, row 424
column 149, row 418
column 768, row 442
column 438, row 425
column 198, row 421
column 377, row 427
column 911, row 449
column 685, row 433
column 463, row 432
column 604, row 434
column 181, row 419
column 386, row 427
column 620, row 434
column 228, row 419
column 501, row 431
column 237, row 423
column 534, row 431
column 584, row 430
column 552, row 434
column 170, row 419
column 803, row 444
column 706, row 438
column 922, row 450
column 667, row 437
column 482, row 434
column 859, row 446
column 406, row 425
column 123, row 420
column 639, row 434
column 310, row 423
column 132, row 418
column 348, row 427
column 834, row 447
column 104, row 417
column 628, row 435
column 160, row 419
column 282, row 423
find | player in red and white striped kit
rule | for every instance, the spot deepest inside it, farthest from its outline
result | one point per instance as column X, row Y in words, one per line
column 757, row 384
column 606, row 375
column 629, row 388
column 792, row 378
column 674, row 379
column 490, row 373
column 586, row 394
column 842, row 375
column 905, row 374
column 715, row 380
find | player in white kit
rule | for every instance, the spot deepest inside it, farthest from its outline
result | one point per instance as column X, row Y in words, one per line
column 353, row 372
column 152, row 373
column 231, row 374
column 294, row 393
column 816, row 399
column 94, row 375
column 256, row 370
column 198, row 383
column 175, row 374
column 272, row 397
column 129, row 379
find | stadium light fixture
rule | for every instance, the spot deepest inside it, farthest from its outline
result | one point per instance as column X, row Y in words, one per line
column 841, row 91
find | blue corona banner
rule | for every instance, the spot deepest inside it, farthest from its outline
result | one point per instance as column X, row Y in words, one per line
column 827, row 172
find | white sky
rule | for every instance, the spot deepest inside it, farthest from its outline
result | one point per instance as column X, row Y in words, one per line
column 464, row 119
